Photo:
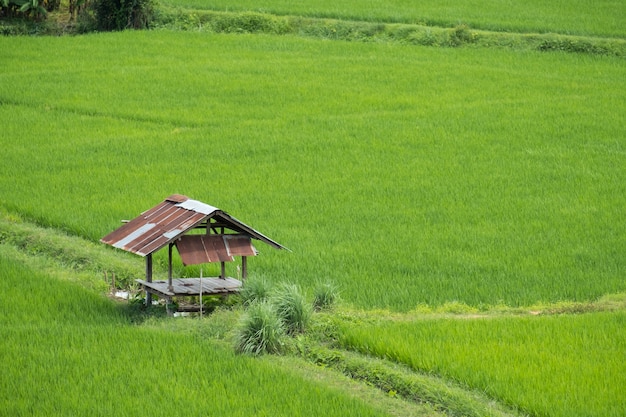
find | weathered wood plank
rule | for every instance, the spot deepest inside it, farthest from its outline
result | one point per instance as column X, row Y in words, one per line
column 191, row 286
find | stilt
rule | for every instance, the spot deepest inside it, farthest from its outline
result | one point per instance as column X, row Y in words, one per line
column 168, row 306
column 148, row 278
column 169, row 268
column 244, row 268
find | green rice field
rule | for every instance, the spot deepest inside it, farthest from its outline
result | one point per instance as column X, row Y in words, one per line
column 577, row 17
column 468, row 203
column 406, row 175
column 68, row 351
column 570, row 365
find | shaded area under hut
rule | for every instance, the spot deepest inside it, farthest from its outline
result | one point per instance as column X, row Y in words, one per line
column 201, row 234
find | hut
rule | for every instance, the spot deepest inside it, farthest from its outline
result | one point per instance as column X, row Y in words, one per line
column 201, row 234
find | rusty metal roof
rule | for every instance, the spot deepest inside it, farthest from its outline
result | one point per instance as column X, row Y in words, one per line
column 169, row 220
column 199, row 249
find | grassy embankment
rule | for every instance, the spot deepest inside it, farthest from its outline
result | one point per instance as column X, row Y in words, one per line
column 543, row 26
column 579, row 17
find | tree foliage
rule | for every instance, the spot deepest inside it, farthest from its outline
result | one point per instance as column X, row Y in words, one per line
column 31, row 9
column 123, row 14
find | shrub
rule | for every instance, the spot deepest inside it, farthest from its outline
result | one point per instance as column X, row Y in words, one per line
column 292, row 308
column 461, row 35
column 123, row 14
column 260, row 330
column 325, row 296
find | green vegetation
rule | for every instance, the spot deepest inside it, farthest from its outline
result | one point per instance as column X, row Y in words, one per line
column 292, row 308
column 123, row 14
column 467, row 198
column 256, row 288
column 261, row 330
column 400, row 382
column 51, row 250
column 576, row 17
column 547, row 26
column 563, row 365
column 68, row 350
column 325, row 296
column 405, row 175
column 460, row 35
column 268, row 320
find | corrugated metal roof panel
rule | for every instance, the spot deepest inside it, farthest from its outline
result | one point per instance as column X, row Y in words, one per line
column 198, row 206
column 167, row 221
column 177, row 198
column 239, row 245
column 199, row 249
column 136, row 234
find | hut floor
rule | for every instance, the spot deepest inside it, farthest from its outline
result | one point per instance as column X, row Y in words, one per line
column 191, row 286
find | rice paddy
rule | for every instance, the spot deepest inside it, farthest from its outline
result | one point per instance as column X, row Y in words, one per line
column 600, row 18
column 411, row 178
column 476, row 176
column 563, row 365
column 67, row 350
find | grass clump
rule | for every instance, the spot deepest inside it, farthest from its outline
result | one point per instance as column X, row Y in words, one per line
column 325, row 296
column 267, row 321
column 292, row 308
column 260, row 330
column 254, row 289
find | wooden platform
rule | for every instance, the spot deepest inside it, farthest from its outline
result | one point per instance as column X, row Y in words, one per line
column 187, row 287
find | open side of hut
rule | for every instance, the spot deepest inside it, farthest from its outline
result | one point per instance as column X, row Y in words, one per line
column 175, row 222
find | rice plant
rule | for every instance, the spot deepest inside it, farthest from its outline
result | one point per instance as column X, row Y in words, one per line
column 409, row 176
column 478, row 210
column 558, row 366
column 67, row 350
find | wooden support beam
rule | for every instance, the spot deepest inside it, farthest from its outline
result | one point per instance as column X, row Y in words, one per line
column 244, row 267
column 148, row 278
column 169, row 268
column 168, row 306
column 223, row 272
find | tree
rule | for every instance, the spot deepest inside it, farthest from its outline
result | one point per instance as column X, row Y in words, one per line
column 32, row 8
column 124, row 14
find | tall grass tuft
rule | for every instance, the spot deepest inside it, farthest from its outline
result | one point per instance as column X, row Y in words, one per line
column 292, row 308
column 325, row 296
column 254, row 289
column 260, row 330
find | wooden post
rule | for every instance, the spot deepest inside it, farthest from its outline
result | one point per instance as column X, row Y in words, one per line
column 244, row 268
column 223, row 272
column 169, row 269
column 200, row 292
column 148, row 278
column 168, row 306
